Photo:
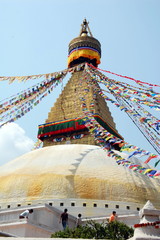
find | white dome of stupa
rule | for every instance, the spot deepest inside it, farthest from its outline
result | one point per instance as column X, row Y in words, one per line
column 73, row 171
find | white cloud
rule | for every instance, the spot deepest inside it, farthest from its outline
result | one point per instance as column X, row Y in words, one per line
column 13, row 142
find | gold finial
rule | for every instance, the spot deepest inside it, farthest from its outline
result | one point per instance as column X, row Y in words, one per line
column 84, row 28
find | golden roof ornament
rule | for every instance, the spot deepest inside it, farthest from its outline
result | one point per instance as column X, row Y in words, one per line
column 84, row 48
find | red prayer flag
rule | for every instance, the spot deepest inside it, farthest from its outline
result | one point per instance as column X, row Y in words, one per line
column 149, row 158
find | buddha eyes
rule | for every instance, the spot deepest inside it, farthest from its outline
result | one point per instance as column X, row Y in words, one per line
column 60, row 139
column 78, row 136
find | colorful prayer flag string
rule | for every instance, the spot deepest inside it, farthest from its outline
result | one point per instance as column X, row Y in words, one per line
column 119, row 75
column 146, row 122
column 102, row 137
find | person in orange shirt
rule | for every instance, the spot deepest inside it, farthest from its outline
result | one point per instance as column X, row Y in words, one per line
column 113, row 217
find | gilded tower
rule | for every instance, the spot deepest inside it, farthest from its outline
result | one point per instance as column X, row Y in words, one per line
column 65, row 119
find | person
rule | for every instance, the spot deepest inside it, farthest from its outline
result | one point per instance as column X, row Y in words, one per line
column 64, row 219
column 26, row 213
column 79, row 220
column 113, row 217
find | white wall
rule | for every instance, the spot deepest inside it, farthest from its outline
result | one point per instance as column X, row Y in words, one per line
column 45, row 220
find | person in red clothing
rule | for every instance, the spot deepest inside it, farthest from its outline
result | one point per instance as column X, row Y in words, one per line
column 113, row 217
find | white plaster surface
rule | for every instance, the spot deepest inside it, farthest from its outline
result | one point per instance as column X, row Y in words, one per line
column 73, row 171
column 41, row 223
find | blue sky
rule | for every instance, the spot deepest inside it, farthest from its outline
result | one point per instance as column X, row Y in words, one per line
column 34, row 40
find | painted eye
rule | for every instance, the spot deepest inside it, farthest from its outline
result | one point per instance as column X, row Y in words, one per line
column 78, row 136
column 60, row 139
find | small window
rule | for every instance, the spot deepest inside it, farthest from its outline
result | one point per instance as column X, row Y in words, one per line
column 50, row 203
column 95, row 205
column 138, row 208
column 61, row 204
column 8, row 206
column 84, row 204
column 106, row 205
column 128, row 207
column 117, row 206
column 72, row 204
column 18, row 205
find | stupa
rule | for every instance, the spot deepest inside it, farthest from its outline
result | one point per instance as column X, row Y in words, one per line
column 71, row 170
column 148, row 228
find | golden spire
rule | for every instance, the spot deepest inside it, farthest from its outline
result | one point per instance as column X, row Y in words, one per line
column 85, row 26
